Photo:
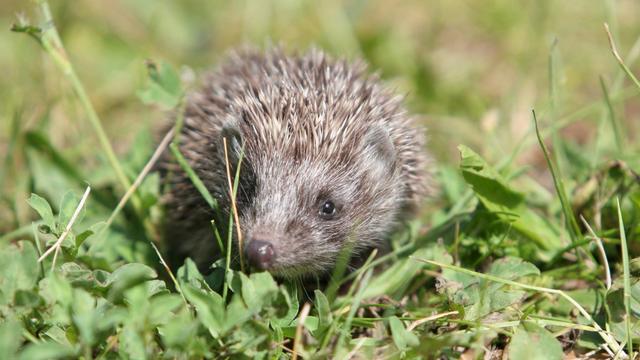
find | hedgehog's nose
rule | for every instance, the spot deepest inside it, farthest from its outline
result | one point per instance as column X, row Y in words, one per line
column 261, row 254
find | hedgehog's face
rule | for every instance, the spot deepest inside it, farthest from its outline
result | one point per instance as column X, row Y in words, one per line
column 304, row 212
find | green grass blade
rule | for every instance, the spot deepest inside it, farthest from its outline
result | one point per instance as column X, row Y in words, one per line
column 554, row 68
column 338, row 274
column 627, row 279
column 199, row 185
column 216, row 234
column 574, row 229
column 612, row 116
column 355, row 304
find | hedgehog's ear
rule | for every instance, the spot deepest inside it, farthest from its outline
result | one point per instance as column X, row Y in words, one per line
column 379, row 148
column 230, row 133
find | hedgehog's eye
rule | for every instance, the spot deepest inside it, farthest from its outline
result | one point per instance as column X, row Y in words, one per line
column 328, row 210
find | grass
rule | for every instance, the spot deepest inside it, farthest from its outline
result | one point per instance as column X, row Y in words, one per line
column 495, row 264
column 49, row 38
column 626, row 280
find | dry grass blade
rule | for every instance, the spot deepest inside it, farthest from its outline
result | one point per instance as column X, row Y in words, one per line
column 603, row 254
column 233, row 203
column 56, row 247
column 145, row 171
column 614, row 50
column 147, row 168
column 417, row 323
column 166, row 267
column 296, row 341
column 356, row 348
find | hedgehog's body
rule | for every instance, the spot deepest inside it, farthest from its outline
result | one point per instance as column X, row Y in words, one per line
column 330, row 157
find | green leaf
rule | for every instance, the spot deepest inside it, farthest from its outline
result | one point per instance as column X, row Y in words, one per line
column 481, row 297
column 156, row 287
column 10, row 338
column 150, row 190
column 453, row 185
column 59, row 289
column 258, row 290
column 209, row 307
column 111, row 318
column 325, row 318
column 533, row 342
column 188, row 274
column 590, row 299
column 311, row 323
column 399, row 275
column 68, row 206
column 132, row 344
column 236, row 314
column 162, row 306
column 617, row 309
column 401, row 336
column 505, row 203
column 180, row 330
column 164, row 87
column 128, row 276
column 40, row 205
column 46, row 351
column 96, row 280
column 84, row 315
column 487, row 183
column 512, row 268
column 287, row 307
column 94, row 229
column 19, row 269
column 27, row 298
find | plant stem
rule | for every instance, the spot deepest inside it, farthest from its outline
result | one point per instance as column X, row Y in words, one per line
column 52, row 44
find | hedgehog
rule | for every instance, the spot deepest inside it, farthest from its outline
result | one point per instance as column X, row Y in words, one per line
column 329, row 160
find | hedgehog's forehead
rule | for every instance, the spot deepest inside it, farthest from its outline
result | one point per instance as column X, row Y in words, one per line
column 299, row 144
column 290, row 157
column 283, row 111
column 299, row 121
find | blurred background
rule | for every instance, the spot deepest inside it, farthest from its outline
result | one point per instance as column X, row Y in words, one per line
column 473, row 70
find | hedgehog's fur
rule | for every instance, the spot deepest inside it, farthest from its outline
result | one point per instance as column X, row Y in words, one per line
column 312, row 128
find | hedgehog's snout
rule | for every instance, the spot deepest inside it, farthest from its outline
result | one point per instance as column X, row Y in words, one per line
column 261, row 253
